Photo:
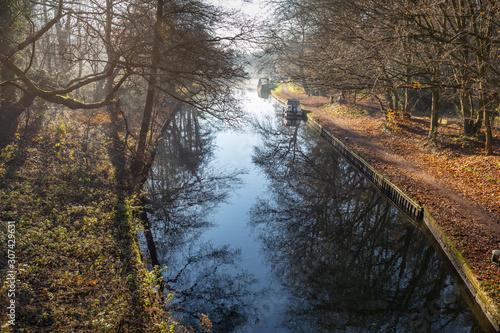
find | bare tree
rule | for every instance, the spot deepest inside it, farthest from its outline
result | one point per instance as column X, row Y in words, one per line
column 107, row 47
column 394, row 47
column 22, row 84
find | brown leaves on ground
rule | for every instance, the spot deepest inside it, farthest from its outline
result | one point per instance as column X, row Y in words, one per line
column 451, row 176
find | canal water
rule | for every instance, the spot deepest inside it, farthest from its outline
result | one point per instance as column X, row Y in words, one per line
column 268, row 229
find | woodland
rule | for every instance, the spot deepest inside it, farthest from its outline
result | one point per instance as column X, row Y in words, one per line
column 127, row 60
column 412, row 56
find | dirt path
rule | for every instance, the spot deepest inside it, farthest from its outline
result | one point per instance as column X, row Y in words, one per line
column 470, row 215
column 384, row 155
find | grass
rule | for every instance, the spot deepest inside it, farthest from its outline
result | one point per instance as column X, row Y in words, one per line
column 277, row 89
column 344, row 110
column 292, row 87
column 295, row 88
column 77, row 259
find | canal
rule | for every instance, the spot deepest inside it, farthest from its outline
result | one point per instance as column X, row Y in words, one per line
column 268, row 229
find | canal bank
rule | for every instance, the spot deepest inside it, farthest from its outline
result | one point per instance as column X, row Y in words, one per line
column 483, row 306
column 475, row 293
column 69, row 255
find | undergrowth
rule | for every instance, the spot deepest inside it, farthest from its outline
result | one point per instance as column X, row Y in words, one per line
column 278, row 89
column 395, row 121
column 77, row 260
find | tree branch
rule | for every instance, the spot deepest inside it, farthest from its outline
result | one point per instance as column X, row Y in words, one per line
column 34, row 37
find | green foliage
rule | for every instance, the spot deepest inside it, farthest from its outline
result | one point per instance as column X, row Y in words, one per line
column 277, row 89
column 8, row 153
column 72, row 228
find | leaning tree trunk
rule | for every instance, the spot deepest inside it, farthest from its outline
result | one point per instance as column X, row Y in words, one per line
column 139, row 161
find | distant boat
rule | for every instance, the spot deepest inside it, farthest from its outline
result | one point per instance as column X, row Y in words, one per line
column 292, row 107
column 263, row 88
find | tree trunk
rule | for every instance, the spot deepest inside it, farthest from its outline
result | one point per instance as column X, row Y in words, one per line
column 153, row 253
column 7, row 91
column 478, row 123
column 9, row 117
column 434, row 112
column 395, row 101
column 116, row 150
column 406, row 102
column 381, row 105
column 484, row 111
column 465, row 108
column 62, row 35
column 489, row 135
column 341, row 98
column 407, row 90
column 139, row 161
column 8, row 128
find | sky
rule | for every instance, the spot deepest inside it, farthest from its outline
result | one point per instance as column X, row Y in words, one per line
column 250, row 7
column 257, row 11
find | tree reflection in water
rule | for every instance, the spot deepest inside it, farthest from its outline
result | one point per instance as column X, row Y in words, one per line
column 336, row 257
column 349, row 261
column 183, row 188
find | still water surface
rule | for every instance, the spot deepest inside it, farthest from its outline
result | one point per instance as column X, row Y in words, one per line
column 270, row 230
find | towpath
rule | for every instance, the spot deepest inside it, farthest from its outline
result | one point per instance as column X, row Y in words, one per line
column 460, row 187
